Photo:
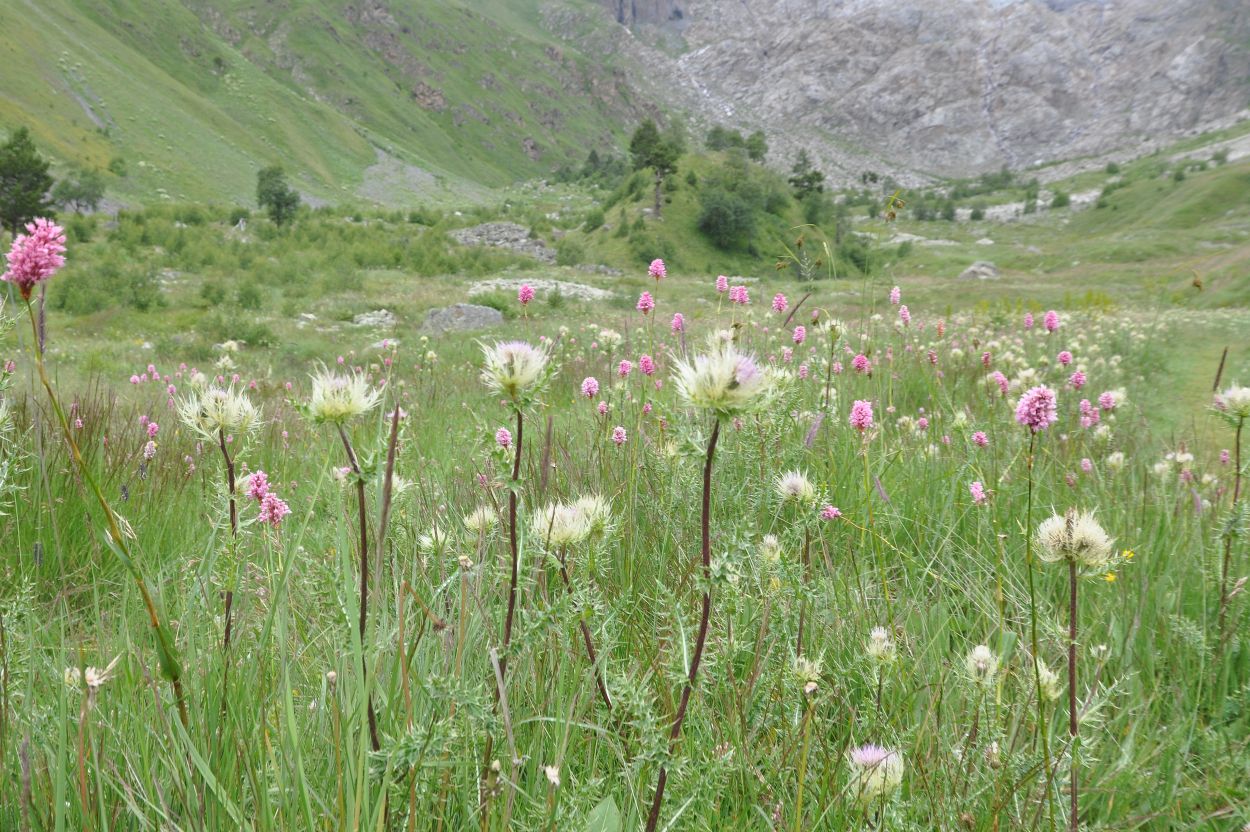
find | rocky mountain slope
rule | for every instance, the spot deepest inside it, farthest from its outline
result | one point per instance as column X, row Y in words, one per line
column 961, row 86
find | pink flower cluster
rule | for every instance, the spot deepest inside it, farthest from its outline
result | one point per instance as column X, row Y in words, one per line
column 35, row 256
column 739, row 294
column 780, row 304
column 895, row 295
column 1089, row 414
column 722, row 284
column 272, row 508
column 503, row 437
column 1037, row 409
column 860, row 364
column 525, row 294
column 800, row 334
column 679, row 322
column 657, row 269
column 618, row 435
column 978, row 492
column 590, row 387
column 645, row 303
column 904, row 314
column 861, row 415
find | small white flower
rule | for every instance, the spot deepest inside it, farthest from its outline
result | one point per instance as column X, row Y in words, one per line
column 795, row 486
column 337, row 399
column 981, row 664
column 1074, row 536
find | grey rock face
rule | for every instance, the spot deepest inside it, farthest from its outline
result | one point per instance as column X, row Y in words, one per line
column 461, row 316
column 962, row 86
column 507, row 235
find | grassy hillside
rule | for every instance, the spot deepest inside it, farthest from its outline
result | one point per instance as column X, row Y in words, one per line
column 370, row 102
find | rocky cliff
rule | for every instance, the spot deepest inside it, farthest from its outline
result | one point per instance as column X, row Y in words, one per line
column 961, row 86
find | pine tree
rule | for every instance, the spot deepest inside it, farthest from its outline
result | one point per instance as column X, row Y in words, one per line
column 648, row 149
column 24, row 182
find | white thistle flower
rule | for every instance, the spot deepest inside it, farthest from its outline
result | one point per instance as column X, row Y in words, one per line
column 981, row 665
column 1074, row 536
column 880, row 646
column 337, row 399
column 723, row 380
column 213, row 412
column 514, row 369
column 793, row 485
column 875, row 772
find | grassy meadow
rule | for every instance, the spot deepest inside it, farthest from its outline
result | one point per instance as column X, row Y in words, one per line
column 800, row 617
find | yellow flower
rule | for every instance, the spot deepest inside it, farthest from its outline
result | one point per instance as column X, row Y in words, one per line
column 1109, row 577
column 1128, row 554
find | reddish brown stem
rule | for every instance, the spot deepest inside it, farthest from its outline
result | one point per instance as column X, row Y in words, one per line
column 364, row 576
column 1073, row 821
column 512, row 500
column 706, row 557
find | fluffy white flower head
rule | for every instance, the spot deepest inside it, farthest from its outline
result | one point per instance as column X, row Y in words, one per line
column 213, row 412
column 723, row 380
column 1074, row 536
column 514, row 369
column 795, row 486
column 337, row 399
column 876, row 772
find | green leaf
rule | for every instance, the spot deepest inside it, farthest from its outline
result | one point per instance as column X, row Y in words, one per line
column 605, row 817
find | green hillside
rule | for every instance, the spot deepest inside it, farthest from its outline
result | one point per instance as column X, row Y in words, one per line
column 370, row 102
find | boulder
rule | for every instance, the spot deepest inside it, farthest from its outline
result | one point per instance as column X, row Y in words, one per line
column 460, row 316
column 981, row 270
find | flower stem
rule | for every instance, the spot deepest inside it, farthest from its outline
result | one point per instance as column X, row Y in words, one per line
column 1073, row 822
column 512, row 542
column 170, row 666
column 706, row 556
column 1037, row 672
column 364, row 576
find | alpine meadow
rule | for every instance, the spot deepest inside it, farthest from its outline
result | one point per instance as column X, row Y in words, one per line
column 595, row 416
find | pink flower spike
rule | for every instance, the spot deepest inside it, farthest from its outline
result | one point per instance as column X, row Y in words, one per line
column 980, row 439
column 1037, row 409
column 861, row 415
column 590, row 387
column 646, row 365
column 658, row 270
column 35, row 256
column 1051, row 321
column 645, row 303
column 525, row 294
column 618, row 435
column 503, row 437
column 722, row 284
column 829, row 512
column 780, row 304
column 978, row 492
column 679, row 322
column 800, row 334
column 896, row 295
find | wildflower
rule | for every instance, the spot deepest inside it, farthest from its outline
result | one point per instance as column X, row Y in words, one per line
column 1028, row 320
column 770, row 548
column 514, row 369
column 1225, row 456
column 829, row 512
column 503, row 438
column 525, row 294
column 35, row 256
column 1051, row 321
column 149, row 450
column 1077, row 380
column 794, row 486
column 876, row 772
column 1089, row 414
column 590, row 387
column 981, row 665
column 646, row 365
column 1115, row 460
column 860, row 364
column 1064, row 357
column 722, row 284
column 618, row 435
column 1037, row 409
column 1001, row 380
column 1074, row 536
column 273, row 509
column 722, row 380
column 738, row 294
column 213, row 412
column 800, row 334
column 597, row 513
column 780, row 304
column 481, row 520
column 553, row 772
column 560, row 525
column 980, row 439
column 1235, row 402
column 1087, row 464
column 808, row 673
column 624, row 368
column 256, row 485
column 978, row 492
column 645, row 303
column 657, row 269
column 861, row 415
column 337, row 399
column 880, row 646
column 895, row 296
column 679, row 322
column 1048, row 680
column 603, row 408
column 904, row 314
column 93, row 677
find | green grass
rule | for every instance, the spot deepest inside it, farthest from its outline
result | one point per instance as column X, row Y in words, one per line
column 195, row 98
